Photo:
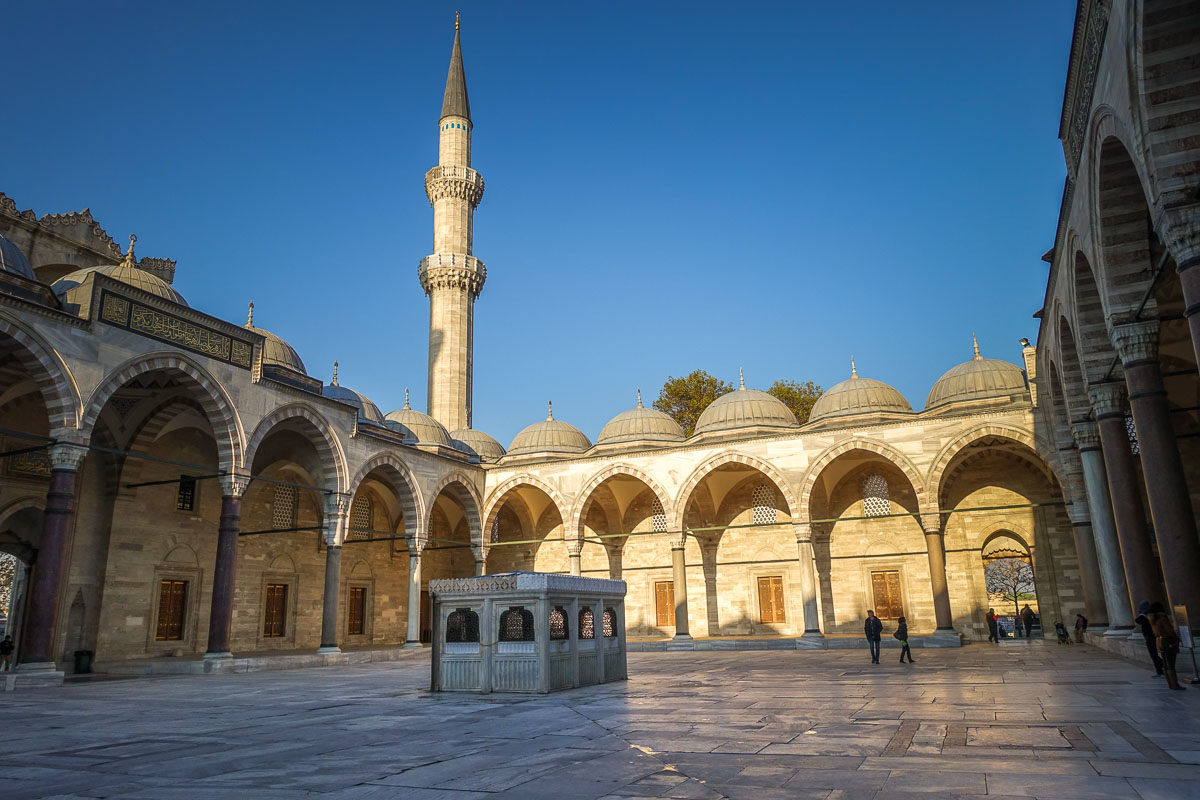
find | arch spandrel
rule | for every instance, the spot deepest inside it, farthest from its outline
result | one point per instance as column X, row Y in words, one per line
column 328, row 446
column 877, row 448
column 49, row 371
column 710, row 465
column 576, row 519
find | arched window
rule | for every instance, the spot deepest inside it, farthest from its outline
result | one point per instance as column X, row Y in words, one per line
column 462, row 625
column 559, row 629
column 609, row 623
column 875, row 496
column 658, row 522
column 587, row 624
column 764, row 505
column 360, row 518
column 516, row 625
column 283, row 507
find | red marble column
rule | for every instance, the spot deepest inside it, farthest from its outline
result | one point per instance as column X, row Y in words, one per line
column 935, row 548
column 220, row 616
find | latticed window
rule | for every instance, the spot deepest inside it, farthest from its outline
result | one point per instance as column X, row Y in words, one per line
column 609, row 623
column 658, row 522
column 360, row 519
column 495, row 535
column 559, row 629
column 283, row 507
column 516, row 625
column 462, row 625
column 764, row 505
column 1131, row 431
column 185, row 499
column 587, row 624
column 875, row 496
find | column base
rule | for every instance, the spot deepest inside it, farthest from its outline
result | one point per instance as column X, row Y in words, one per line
column 31, row 679
column 1118, row 631
column 943, row 637
column 813, row 634
column 36, row 667
column 681, row 641
column 217, row 656
column 411, row 645
column 328, row 649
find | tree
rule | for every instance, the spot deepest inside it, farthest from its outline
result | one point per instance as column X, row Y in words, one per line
column 799, row 397
column 684, row 399
column 1011, row 578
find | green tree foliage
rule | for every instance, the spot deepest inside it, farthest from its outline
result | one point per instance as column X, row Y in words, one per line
column 683, row 399
column 799, row 397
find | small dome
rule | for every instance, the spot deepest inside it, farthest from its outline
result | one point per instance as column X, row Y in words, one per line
column 367, row 411
column 978, row 379
column 13, row 261
column 477, row 443
column 641, row 424
column 745, row 408
column 417, row 428
column 275, row 350
column 65, row 286
column 549, row 436
column 857, row 395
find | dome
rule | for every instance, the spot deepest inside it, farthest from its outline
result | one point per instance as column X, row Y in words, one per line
column 417, row 427
column 477, row 443
column 857, row 395
column 549, row 436
column 641, row 424
column 65, row 287
column 275, row 350
column 13, row 261
column 367, row 411
column 745, row 408
column 977, row 379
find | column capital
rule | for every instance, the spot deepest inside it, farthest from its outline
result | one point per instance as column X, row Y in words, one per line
column 574, row 547
column 803, row 531
column 1086, row 434
column 1079, row 514
column 1136, row 341
column 931, row 523
column 67, row 455
column 1180, row 232
column 234, row 484
column 1108, row 399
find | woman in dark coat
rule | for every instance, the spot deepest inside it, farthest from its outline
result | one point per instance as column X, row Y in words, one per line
column 902, row 634
column 1168, row 642
column 1143, row 622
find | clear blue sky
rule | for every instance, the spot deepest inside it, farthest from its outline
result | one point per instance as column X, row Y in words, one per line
column 670, row 186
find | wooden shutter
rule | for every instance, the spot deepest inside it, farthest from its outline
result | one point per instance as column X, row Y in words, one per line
column 273, row 623
column 171, row 605
column 895, row 609
column 664, row 603
column 885, row 586
column 357, row 610
column 770, row 599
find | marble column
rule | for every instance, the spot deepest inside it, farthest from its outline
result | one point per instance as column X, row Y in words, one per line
column 220, row 614
column 935, row 548
column 1100, row 542
column 480, row 554
column 808, row 579
column 575, row 555
column 337, row 507
column 1124, row 487
column 36, row 655
column 1166, row 484
column 414, row 594
column 679, row 566
column 1095, row 604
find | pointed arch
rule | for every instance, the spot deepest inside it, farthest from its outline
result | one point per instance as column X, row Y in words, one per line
column 495, row 499
column 984, row 430
column 404, row 486
column 581, row 499
column 59, row 390
column 467, row 496
column 881, row 449
column 733, row 457
column 328, row 446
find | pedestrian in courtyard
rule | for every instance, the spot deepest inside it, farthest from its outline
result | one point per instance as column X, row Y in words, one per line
column 873, row 628
column 1168, row 642
column 992, row 623
column 6, row 651
column 1080, row 627
column 902, row 635
column 1027, row 620
column 1143, row 622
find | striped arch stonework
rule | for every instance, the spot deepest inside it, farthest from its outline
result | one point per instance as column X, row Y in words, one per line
column 57, row 385
column 412, row 504
column 470, row 503
column 720, row 460
column 581, row 500
column 953, row 448
column 326, row 443
column 495, row 499
column 885, row 451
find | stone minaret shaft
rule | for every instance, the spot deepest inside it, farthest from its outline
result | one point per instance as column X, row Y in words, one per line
column 452, row 277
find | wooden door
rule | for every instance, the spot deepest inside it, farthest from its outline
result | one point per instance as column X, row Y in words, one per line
column 356, row 611
column 664, row 603
column 770, row 599
column 885, row 586
column 171, row 603
column 276, row 610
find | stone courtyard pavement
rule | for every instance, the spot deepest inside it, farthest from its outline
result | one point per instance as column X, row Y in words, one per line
column 1016, row 720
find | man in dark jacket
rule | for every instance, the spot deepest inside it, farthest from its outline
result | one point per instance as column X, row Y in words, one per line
column 1027, row 621
column 1143, row 623
column 873, row 628
column 992, row 622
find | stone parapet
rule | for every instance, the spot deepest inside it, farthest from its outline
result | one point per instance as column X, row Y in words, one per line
column 452, row 271
column 463, row 183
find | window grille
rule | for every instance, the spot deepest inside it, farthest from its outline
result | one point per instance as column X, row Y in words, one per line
column 185, row 500
column 360, row 519
column 764, row 505
column 587, row 624
column 1131, row 431
column 559, row 629
column 283, row 507
column 516, row 625
column 462, row 625
column 875, row 496
column 608, row 623
column 658, row 522
column 495, row 535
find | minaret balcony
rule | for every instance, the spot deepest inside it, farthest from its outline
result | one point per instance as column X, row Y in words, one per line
column 454, row 181
column 452, row 271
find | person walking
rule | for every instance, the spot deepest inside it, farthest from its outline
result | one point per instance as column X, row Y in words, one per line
column 1168, row 642
column 902, row 635
column 1143, row 622
column 1080, row 627
column 1027, row 620
column 993, row 632
column 873, row 628
column 6, row 651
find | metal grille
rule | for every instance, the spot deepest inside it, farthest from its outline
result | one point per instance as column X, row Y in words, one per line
column 658, row 522
column 875, row 496
column 462, row 625
column 587, row 624
column 360, row 519
column 558, row 624
column 516, row 625
column 495, row 534
column 609, row 623
column 764, row 505
column 185, row 500
column 1131, row 431
column 283, row 507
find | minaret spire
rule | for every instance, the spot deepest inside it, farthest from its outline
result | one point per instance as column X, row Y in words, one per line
column 454, row 103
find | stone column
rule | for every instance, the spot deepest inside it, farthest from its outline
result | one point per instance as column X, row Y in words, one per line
column 680, row 587
column 808, row 579
column 1095, row 604
column 414, row 594
column 1141, row 571
column 337, row 507
column 575, row 554
column 1166, row 485
column 220, row 616
column 57, row 520
column 1100, row 542
column 1181, row 234
column 480, row 554
column 936, row 550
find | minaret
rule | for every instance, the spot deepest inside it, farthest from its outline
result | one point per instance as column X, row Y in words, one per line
column 451, row 277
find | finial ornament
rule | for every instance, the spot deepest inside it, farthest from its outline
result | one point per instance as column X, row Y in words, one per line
column 130, row 260
column 853, row 369
column 456, row 22
column 334, row 381
column 250, row 316
column 406, row 397
column 975, row 343
column 639, row 397
column 549, row 410
column 741, row 379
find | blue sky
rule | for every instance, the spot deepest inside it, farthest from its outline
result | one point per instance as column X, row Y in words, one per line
column 670, row 186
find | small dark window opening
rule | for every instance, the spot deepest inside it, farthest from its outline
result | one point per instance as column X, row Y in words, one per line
column 462, row 625
column 587, row 624
column 185, row 500
column 609, row 623
column 516, row 625
column 559, row 629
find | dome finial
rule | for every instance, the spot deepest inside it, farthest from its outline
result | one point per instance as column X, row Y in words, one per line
column 334, row 381
column 406, row 397
column 741, row 379
column 975, row 342
column 639, row 397
column 549, row 410
column 250, row 316
column 130, row 261
column 853, row 369
column 456, row 22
